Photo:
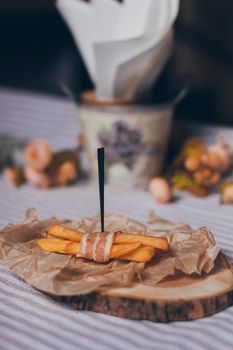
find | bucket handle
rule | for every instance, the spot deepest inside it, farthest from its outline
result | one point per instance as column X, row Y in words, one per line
column 182, row 90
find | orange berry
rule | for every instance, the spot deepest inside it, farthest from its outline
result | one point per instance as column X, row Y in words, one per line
column 37, row 178
column 219, row 158
column 192, row 163
column 67, row 172
column 227, row 194
column 161, row 191
column 206, row 177
column 38, row 154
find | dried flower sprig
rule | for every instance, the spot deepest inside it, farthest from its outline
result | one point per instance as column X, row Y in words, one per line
column 14, row 175
column 198, row 168
column 44, row 168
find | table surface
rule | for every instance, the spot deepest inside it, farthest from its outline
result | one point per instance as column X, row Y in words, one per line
column 31, row 320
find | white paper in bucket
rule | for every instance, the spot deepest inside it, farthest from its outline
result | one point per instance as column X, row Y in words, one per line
column 79, row 17
column 112, row 37
column 107, row 15
column 136, row 75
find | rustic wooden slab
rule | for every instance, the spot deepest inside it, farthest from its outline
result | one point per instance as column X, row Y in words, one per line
column 179, row 299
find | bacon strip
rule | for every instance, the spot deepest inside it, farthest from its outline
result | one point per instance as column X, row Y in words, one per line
column 97, row 246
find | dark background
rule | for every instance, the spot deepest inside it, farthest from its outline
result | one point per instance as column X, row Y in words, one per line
column 37, row 52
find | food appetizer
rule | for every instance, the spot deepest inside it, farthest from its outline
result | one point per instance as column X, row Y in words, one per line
column 163, row 271
column 102, row 246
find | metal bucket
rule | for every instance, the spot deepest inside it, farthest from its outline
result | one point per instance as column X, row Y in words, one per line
column 135, row 137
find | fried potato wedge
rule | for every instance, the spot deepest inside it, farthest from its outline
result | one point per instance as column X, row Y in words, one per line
column 73, row 248
column 65, row 232
column 142, row 254
column 159, row 243
column 53, row 245
column 119, row 250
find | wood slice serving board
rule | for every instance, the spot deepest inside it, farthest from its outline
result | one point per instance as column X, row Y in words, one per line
column 179, row 299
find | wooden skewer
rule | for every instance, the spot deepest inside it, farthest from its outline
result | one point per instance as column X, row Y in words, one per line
column 101, row 157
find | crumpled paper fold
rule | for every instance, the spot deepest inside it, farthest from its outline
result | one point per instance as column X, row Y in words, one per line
column 192, row 252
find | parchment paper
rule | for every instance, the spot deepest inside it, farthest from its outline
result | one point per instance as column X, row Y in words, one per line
column 192, row 252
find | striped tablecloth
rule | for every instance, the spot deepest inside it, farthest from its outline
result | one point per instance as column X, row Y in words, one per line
column 31, row 320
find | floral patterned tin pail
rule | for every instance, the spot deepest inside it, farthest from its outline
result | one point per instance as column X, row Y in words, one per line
column 135, row 138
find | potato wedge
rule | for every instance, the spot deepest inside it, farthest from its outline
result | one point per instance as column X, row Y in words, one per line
column 119, row 250
column 65, row 232
column 68, row 247
column 142, row 254
column 160, row 243
column 53, row 245
column 72, row 248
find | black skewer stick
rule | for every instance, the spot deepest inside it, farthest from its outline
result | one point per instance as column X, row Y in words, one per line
column 100, row 153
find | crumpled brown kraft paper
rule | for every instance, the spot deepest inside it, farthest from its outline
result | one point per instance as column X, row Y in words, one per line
column 192, row 252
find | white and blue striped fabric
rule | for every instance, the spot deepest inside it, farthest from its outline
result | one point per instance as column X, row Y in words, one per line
column 30, row 320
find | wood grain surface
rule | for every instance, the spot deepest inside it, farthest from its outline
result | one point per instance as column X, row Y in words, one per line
column 178, row 299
